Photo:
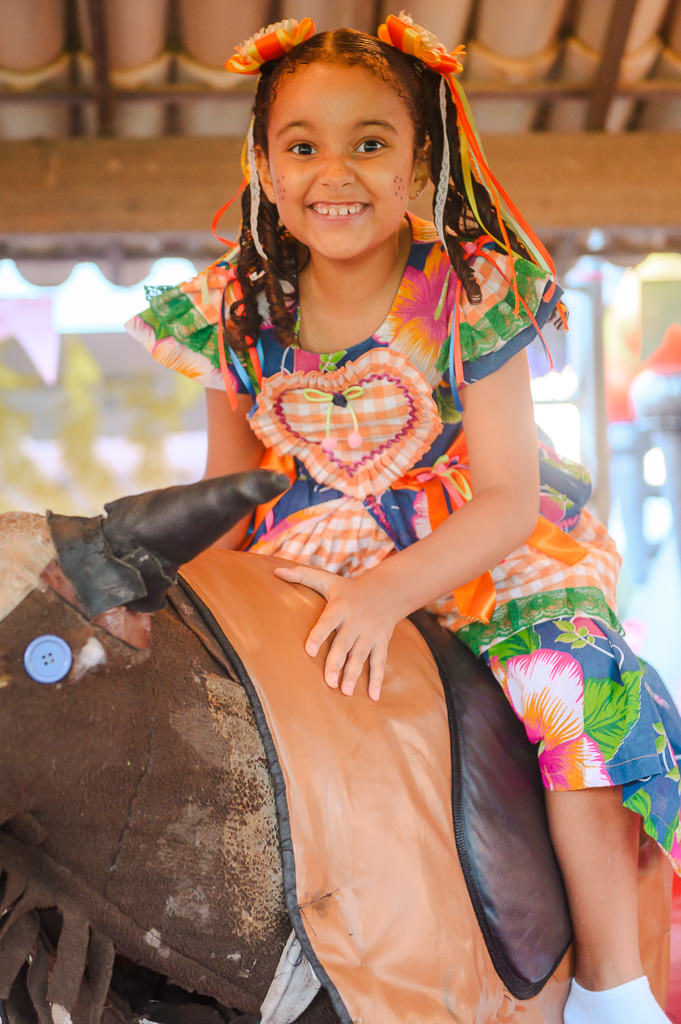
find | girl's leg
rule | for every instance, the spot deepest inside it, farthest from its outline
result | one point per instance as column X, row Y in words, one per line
column 587, row 700
column 596, row 842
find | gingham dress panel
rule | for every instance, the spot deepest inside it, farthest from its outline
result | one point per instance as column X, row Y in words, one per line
column 395, row 421
column 338, row 535
column 492, row 285
column 206, row 292
column 527, row 571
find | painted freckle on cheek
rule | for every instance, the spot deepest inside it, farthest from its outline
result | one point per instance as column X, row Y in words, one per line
column 399, row 187
column 280, row 188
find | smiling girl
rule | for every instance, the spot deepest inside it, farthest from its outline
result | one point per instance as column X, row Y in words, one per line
column 380, row 361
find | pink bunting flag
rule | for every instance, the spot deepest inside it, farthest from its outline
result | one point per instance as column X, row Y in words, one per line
column 30, row 323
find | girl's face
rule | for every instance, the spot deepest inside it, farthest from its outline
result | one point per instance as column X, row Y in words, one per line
column 341, row 165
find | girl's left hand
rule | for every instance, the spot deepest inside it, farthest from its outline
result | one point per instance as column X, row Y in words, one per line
column 363, row 621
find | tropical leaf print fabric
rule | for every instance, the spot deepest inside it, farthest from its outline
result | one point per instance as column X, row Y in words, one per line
column 565, row 486
column 418, row 323
column 598, row 715
column 179, row 329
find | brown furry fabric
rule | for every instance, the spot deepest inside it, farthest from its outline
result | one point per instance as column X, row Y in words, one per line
column 136, row 800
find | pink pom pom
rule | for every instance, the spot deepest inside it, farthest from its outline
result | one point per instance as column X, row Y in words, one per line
column 355, row 439
column 329, row 443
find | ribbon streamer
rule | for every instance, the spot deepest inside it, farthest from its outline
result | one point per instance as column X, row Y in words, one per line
column 402, row 33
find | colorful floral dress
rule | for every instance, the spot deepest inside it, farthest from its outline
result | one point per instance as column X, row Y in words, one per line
column 372, row 440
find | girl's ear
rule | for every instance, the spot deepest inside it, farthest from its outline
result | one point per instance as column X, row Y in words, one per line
column 265, row 175
column 421, row 172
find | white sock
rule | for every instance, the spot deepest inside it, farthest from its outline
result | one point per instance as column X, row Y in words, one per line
column 631, row 1003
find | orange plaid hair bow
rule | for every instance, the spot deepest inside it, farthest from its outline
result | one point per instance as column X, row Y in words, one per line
column 269, row 43
column 402, row 33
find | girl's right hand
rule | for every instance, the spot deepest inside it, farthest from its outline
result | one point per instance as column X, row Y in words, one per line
column 362, row 618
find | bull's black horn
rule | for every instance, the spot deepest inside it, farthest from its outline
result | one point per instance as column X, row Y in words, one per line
column 131, row 557
column 160, row 530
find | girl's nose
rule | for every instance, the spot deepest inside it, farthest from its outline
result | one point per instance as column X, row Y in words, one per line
column 337, row 172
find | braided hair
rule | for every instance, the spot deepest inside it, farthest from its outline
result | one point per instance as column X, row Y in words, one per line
column 276, row 278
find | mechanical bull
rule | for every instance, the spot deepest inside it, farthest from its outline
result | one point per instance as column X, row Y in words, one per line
column 179, row 790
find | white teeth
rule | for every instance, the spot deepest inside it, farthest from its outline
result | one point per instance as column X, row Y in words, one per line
column 327, row 210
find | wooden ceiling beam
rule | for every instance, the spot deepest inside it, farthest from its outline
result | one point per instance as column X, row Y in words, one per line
column 607, row 74
column 100, row 56
column 175, row 184
column 540, row 89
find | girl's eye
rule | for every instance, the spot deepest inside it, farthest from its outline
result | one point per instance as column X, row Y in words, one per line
column 302, row 148
column 370, row 146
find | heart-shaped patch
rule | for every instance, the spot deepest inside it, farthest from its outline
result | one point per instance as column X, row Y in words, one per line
column 357, row 429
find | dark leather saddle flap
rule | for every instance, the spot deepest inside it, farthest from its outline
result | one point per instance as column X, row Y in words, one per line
column 500, row 820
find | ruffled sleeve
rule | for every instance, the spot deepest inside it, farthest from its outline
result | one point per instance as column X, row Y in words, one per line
column 492, row 331
column 180, row 328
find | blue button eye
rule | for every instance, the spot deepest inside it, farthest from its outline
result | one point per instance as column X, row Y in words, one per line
column 47, row 659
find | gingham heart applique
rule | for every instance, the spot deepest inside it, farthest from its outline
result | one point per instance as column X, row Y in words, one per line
column 356, row 429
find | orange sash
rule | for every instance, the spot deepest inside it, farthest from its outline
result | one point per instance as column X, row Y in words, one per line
column 277, row 464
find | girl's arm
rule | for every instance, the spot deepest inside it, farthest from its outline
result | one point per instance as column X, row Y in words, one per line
column 232, row 448
column 501, row 437
column 502, row 446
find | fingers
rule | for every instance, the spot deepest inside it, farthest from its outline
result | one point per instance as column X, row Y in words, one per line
column 336, row 663
column 346, row 655
column 353, row 663
column 327, row 622
column 346, row 662
column 315, row 579
column 379, row 656
column 358, row 634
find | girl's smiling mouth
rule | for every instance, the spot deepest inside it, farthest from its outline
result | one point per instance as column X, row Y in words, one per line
column 338, row 209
